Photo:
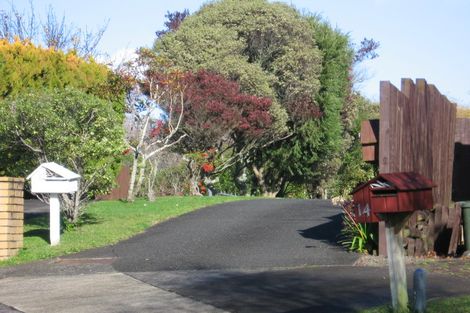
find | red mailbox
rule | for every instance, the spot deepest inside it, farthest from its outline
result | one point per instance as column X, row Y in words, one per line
column 392, row 193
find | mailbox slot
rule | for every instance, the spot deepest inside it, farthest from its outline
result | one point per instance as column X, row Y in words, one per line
column 384, row 193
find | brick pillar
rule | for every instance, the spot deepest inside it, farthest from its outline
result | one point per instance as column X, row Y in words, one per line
column 11, row 216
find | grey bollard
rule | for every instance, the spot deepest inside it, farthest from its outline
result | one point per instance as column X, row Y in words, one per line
column 419, row 290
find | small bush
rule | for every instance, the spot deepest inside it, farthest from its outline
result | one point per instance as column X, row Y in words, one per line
column 357, row 237
column 173, row 180
column 226, row 183
column 297, row 191
column 235, row 182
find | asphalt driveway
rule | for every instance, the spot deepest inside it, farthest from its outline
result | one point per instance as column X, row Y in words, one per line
column 249, row 256
column 240, row 235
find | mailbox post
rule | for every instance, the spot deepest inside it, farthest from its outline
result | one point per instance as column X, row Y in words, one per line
column 54, row 219
column 53, row 179
column 392, row 198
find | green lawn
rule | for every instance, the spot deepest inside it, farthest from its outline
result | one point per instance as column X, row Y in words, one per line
column 104, row 223
column 454, row 305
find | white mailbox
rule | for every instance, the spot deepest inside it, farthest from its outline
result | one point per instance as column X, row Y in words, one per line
column 53, row 178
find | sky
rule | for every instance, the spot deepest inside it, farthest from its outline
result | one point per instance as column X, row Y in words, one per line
column 418, row 39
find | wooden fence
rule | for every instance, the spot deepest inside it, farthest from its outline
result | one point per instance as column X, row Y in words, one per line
column 122, row 186
column 416, row 132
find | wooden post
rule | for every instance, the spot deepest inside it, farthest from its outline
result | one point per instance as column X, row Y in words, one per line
column 382, row 240
column 54, row 219
column 396, row 260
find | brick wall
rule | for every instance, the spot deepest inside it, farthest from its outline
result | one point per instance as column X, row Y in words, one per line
column 11, row 216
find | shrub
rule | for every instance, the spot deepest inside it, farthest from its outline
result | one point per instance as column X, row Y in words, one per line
column 298, row 191
column 173, row 180
column 67, row 126
column 25, row 66
column 355, row 236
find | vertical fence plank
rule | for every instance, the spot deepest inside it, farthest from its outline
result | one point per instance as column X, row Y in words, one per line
column 444, row 138
column 454, row 239
column 451, row 149
column 435, row 108
column 122, row 186
column 384, row 136
column 395, row 128
column 407, row 87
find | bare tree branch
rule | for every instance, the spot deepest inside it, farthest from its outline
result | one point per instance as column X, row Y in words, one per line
column 54, row 32
column 167, row 146
column 37, row 150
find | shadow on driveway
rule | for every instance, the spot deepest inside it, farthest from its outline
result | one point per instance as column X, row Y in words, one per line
column 315, row 289
column 327, row 232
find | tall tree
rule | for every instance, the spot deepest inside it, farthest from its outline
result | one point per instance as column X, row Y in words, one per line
column 299, row 61
column 332, row 98
column 342, row 107
column 219, row 115
column 268, row 48
column 353, row 170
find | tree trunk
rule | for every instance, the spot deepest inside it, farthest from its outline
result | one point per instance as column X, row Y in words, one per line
column 151, row 195
column 151, row 181
column 270, row 194
column 193, row 179
column 77, row 205
column 282, row 189
column 265, row 189
column 241, row 180
column 260, row 178
column 71, row 206
column 140, row 181
column 130, row 194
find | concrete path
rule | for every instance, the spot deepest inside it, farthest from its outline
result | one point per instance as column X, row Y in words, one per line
column 102, row 292
column 252, row 256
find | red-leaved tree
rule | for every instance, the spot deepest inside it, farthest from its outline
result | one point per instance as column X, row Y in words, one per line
column 218, row 116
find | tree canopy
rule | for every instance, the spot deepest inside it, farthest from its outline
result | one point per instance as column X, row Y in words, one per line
column 217, row 113
column 297, row 60
column 266, row 47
